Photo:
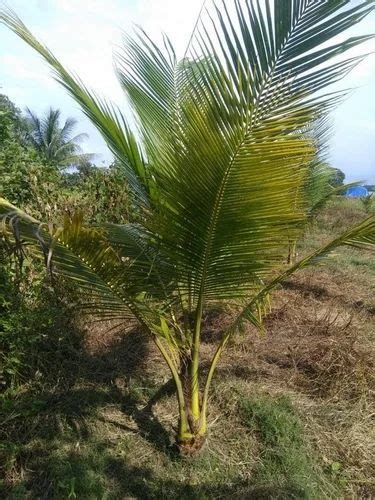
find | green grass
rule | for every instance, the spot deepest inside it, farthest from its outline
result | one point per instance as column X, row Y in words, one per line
column 85, row 446
column 288, row 467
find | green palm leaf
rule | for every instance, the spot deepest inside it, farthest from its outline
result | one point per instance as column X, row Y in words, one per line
column 361, row 236
column 114, row 283
column 214, row 130
column 243, row 105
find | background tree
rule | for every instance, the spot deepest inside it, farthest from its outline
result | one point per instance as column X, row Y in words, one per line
column 12, row 122
column 8, row 116
column 18, row 162
column 53, row 141
column 337, row 177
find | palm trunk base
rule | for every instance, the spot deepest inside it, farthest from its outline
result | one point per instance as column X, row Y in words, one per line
column 190, row 446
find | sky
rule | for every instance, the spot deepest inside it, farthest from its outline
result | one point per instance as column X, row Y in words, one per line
column 83, row 34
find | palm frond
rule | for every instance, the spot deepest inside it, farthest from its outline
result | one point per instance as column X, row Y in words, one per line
column 224, row 161
column 78, row 138
column 148, row 76
column 34, row 128
column 361, row 236
column 241, row 114
column 50, row 126
column 67, row 129
column 104, row 115
column 107, row 280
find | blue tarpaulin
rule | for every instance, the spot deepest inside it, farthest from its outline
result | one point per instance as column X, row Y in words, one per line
column 356, row 192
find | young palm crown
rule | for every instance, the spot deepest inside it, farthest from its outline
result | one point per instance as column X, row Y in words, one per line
column 54, row 142
column 219, row 170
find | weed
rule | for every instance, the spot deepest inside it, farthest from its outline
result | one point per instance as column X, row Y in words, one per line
column 367, row 203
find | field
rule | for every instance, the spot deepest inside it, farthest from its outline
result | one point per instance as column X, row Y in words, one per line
column 291, row 409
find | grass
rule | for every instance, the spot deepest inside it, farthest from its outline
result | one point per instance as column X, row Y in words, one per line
column 290, row 411
column 288, row 464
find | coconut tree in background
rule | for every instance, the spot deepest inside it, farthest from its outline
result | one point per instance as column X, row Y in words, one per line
column 321, row 183
column 218, row 171
column 54, row 142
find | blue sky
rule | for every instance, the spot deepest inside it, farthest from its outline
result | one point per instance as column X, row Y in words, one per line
column 84, row 33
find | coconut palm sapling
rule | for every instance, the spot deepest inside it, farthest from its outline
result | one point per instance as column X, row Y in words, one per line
column 320, row 178
column 218, row 173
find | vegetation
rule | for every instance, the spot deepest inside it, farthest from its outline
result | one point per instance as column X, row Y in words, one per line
column 8, row 117
column 367, row 202
column 287, row 464
column 16, row 161
column 31, row 180
column 337, row 178
column 92, row 411
column 219, row 184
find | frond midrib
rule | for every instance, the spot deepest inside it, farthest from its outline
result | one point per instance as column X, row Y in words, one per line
column 246, row 132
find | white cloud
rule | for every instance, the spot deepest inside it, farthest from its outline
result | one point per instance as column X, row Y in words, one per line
column 16, row 67
column 84, row 34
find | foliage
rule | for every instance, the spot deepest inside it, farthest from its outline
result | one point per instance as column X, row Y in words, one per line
column 367, row 202
column 88, row 426
column 20, row 170
column 100, row 194
column 218, row 177
column 28, row 162
column 337, row 177
column 10, row 119
column 323, row 181
column 105, row 196
column 31, row 312
column 5, row 120
column 19, row 164
column 30, row 179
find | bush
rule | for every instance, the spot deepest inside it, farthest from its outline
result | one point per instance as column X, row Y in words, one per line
column 34, row 325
